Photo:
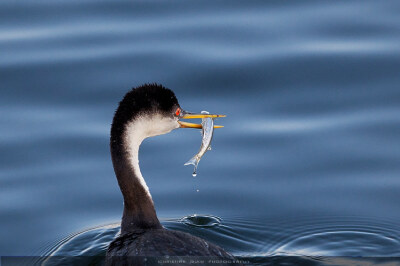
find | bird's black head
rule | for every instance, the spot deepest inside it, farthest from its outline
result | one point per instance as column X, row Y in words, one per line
column 153, row 108
column 147, row 99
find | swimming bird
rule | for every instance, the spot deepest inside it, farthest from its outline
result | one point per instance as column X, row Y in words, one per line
column 147, row 111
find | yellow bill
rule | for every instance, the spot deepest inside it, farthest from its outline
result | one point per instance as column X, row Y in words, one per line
column 192, row 116
column 192, row 125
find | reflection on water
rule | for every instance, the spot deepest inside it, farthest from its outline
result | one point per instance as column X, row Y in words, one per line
column 311, row 94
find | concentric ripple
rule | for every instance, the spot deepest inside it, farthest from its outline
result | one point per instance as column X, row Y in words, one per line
column 87, row 247
column 260, row 241
column 341, row 243
column 340, row 237
column 201, row 220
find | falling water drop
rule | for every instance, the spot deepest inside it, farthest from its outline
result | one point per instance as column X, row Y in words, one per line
column 194, row 174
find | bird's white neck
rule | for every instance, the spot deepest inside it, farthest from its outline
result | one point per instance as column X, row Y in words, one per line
column 137, row 130
column 139, row 211
column 133, row 137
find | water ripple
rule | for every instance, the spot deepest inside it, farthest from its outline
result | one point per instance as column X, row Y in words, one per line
column 314, row 240
column 311, row 90
column 339, row 236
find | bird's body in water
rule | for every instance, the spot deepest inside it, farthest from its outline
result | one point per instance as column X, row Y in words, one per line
column 147, row 111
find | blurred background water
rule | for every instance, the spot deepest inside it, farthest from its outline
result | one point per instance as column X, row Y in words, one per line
column 308, row 163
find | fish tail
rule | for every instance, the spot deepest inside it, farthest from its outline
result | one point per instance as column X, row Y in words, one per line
column 195, row 161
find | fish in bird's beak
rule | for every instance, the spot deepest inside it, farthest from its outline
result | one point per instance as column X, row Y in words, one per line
column 187, row 115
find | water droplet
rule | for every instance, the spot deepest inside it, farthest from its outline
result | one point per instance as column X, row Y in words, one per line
column 197, row 190
column 194, row 174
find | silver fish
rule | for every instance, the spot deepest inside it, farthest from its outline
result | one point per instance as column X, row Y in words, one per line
column 207, row 132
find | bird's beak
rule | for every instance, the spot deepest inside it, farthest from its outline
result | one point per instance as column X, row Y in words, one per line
column 187, row 115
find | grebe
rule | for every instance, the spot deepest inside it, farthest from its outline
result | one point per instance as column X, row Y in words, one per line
column 147, row 111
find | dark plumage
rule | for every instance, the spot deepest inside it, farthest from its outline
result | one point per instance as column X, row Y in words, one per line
column 142, row 235
column 146, row 246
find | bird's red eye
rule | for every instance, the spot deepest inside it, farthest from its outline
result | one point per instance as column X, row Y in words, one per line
column 178, row 111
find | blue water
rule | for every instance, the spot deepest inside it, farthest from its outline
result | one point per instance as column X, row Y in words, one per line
column 307, row 165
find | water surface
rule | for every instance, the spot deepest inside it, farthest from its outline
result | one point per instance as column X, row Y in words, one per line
column 306, row 168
